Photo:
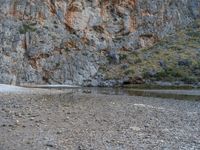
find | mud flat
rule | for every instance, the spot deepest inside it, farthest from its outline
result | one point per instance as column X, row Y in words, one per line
column 76, row 120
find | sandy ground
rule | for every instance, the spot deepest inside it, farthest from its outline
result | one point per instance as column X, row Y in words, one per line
column 77, row 121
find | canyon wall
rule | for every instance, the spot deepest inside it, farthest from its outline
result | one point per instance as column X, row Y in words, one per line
column 65, row 41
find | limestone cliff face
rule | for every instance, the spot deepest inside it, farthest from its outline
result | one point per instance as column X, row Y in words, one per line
column 65, row 41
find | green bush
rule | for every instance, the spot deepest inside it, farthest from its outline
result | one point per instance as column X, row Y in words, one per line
column 26, row 28
column 189, row 79
column 123, row 56
column 194, row 34
column 169, row 74
column 129, row 72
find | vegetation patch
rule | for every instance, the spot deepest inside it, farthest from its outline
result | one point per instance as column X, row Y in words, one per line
column 27, row 28
column 175, row 58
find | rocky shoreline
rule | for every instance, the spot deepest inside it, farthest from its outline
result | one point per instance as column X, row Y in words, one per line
column 96, row 121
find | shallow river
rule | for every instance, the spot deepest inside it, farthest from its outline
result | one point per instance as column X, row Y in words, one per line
column 192, row 94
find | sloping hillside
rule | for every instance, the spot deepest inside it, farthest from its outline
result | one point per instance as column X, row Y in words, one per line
column 175, row 58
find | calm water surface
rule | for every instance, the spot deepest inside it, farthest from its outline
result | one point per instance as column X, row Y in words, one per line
column 192, row 94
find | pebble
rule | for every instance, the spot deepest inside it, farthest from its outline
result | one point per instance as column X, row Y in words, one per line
column 32, row 118
column 87, row 91
column 50, row 144
column 59, row 132
column 17, row 122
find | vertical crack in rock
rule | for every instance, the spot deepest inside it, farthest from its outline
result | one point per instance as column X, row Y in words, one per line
column 68, row 41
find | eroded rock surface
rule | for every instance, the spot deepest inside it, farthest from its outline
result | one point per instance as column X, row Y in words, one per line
column 65, row 41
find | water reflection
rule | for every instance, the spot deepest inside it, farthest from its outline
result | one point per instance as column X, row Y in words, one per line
column 173, row 94
column 170, row 94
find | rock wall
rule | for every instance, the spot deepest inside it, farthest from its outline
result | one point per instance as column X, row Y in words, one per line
column 65, row 41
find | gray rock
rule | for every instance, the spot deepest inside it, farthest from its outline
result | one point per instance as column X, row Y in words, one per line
column 46, row 41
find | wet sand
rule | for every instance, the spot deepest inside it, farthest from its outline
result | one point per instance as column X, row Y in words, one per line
column 96, row 121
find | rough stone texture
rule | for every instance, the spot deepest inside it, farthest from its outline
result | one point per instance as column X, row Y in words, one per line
column 64, row 41
column 100, row 122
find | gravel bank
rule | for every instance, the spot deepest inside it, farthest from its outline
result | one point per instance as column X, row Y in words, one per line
column 10, row 89
column 95, row 121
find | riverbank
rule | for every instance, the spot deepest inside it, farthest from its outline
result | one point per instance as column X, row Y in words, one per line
column 97, row 121
column 11, row 89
